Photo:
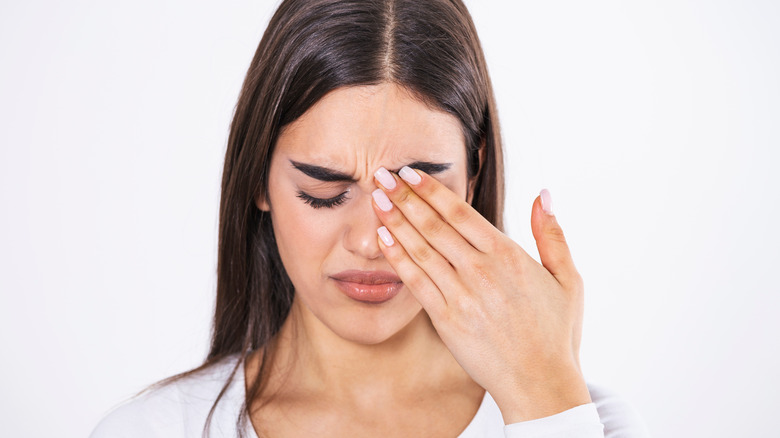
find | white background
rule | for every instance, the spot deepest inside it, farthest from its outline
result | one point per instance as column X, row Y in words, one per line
column 653, row 123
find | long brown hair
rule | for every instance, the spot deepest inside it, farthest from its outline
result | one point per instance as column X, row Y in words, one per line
column 312, row 47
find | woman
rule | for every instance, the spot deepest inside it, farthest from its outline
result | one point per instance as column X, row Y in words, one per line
column 364, row 285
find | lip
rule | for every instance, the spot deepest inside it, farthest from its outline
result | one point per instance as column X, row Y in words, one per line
column 373, row 287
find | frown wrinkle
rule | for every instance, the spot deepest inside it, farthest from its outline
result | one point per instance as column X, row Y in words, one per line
column 325, row 174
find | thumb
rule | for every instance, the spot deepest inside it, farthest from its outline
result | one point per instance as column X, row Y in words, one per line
column 553, row 250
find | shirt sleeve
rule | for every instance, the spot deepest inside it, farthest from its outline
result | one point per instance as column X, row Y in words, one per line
column 619, row 416
column 578, row 422
column 152, row 415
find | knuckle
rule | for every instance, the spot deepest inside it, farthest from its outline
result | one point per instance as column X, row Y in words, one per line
column 492, row 244
column 395, row 221
column 416, row 281
column 499, row 245
column 412, row 277
column 555, row 232
column 422, row 253
column 433, row 226
column 403, row 197
column 460, row 213
column 481, row 271
column 427, row 188
column 396, row 257
column 463, row 304
column 447, row 316
column 510, row 257
column 469, row 309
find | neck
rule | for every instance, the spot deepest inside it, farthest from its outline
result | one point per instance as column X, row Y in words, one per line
column 314, row 359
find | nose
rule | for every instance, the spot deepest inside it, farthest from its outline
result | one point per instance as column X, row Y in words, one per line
column 360, row 237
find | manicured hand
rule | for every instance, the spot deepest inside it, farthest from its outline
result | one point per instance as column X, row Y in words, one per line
column 514, row 325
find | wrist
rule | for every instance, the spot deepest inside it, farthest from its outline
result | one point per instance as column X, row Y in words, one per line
column 542, row 397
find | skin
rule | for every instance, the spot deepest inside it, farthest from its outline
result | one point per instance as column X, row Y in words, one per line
column 476, row 312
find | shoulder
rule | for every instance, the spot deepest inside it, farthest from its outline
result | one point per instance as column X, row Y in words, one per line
column 619, row 417
column 177, row 409
column 152, row 414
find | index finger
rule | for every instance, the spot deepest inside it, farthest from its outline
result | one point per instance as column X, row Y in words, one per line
column 477, row 230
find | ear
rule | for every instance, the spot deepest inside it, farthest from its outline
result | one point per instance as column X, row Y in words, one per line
column 262, row 202
column 473, row 181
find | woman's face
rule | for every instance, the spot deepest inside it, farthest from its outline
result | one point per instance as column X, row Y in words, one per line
column 324, row 222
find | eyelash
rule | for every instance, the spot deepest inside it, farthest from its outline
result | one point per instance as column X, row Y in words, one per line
column 320, row 203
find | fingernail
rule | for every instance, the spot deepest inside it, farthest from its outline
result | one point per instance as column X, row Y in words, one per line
column 407, row 174
column 546, row 201
column 385, row 236
column 384, row 178
column 382, row 200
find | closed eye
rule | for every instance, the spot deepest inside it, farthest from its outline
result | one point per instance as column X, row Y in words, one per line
column 320, row 202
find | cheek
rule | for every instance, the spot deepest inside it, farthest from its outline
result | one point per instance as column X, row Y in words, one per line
column 305, row 237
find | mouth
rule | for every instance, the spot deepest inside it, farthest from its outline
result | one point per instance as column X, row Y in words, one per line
column 370, row 287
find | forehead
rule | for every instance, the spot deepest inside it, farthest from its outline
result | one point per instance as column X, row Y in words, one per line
column 374, row 123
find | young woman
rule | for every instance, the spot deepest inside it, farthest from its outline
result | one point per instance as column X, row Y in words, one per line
column 365, row 287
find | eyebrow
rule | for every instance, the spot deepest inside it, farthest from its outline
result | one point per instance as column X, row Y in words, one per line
column 330, row 175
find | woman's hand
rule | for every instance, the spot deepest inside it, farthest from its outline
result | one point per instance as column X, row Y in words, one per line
column 514, row 325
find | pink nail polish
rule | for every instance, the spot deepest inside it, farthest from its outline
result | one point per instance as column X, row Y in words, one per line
column 407, row 174
column 385, row 236
column 383, row 176
column 382, row 200
column 546, row 201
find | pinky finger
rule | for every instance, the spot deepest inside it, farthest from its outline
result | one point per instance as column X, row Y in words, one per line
column 414, row 278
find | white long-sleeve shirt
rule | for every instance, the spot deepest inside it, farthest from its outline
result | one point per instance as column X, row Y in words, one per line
column 180, row 409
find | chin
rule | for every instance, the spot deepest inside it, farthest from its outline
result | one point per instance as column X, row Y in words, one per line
column 375, row 335
column 364, row 337
column 372, row 328
column 368, row 324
